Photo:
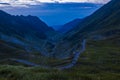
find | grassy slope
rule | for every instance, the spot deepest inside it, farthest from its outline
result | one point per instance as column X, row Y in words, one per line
column 101, row 61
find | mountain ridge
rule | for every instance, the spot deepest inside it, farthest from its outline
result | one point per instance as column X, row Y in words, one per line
column 27, row 32
column 70, row 25
column 98, row 19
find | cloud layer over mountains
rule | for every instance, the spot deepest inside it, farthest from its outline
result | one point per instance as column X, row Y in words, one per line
column 24, row 3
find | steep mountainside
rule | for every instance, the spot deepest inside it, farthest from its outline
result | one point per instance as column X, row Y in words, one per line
column 103, row 22
column 25, row 24
column 22, row 34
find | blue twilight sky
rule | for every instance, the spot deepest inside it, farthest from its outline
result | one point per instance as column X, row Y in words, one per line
column 52, row 12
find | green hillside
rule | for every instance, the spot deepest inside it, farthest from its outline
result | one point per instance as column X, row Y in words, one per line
column 98, row 62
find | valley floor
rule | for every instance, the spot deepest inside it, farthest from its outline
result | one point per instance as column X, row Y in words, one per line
column 100, row 61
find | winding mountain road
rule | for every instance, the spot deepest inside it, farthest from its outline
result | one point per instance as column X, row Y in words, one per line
column 76, row 57
column 24, row 62
column 73, row 62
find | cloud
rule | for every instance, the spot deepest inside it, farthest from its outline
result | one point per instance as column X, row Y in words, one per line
column 25, row 3
column 90, row 1
column 19, row 3
column 4, row 4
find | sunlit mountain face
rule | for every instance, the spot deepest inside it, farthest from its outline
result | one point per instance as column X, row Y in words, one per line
column 53, row 12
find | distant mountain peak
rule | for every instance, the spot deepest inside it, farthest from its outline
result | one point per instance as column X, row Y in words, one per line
column 70, row 25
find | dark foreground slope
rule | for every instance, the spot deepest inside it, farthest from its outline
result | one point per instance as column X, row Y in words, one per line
column 98, row 62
